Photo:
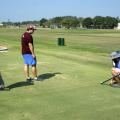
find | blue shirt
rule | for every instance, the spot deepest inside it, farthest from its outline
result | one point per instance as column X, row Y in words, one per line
column 117, row 64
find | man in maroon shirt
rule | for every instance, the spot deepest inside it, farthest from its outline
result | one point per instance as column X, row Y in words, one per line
column 27, row 49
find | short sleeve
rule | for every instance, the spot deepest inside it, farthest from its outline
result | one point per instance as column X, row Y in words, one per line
column 30, row 39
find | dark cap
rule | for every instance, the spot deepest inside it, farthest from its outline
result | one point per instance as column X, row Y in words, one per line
column 31, row 27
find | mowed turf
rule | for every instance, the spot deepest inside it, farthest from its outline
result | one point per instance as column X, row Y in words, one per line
column 70, row 87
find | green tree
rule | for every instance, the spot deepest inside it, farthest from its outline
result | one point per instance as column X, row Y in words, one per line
column 110, row 22
column 70, row 22
column 43, row 21
column 98, row 22
column 105, row 22
column 87, row 22
column 57, row 21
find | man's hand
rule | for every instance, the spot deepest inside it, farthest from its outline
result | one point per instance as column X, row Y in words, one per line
column 34, row 56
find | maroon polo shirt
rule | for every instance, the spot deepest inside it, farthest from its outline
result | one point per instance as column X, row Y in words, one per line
column 25, row 40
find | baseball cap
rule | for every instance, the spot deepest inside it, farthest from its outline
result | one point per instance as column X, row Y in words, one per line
column 31, row 27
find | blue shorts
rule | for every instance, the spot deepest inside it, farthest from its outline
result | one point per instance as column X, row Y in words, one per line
column 29, row 60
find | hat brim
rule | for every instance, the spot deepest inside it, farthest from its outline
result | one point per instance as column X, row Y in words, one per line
column 115, row 56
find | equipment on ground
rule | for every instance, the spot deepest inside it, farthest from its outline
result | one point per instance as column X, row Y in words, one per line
column 3, row 49
column 61, row 41
column 118, row 75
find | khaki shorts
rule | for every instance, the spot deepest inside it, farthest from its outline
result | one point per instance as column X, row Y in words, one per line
column 115, row 71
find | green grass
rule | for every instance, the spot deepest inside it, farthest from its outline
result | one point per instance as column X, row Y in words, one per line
column 71, row 87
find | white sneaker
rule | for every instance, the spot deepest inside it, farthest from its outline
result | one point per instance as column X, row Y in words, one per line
column 35, row 78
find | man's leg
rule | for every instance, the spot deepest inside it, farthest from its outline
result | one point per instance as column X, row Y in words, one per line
column 26, row 70
column 115, row 72
column 34, row 71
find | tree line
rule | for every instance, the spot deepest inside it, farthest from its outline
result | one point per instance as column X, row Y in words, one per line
column 98, row 22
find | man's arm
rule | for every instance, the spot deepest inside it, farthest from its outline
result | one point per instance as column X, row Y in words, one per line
column 31, row 49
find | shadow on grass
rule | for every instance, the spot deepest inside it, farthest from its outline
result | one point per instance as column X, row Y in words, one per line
column 19, row 84
column 46, row 76
column 25, row 83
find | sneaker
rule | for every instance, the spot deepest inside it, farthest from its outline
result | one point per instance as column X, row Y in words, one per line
column 35, row 78
column 29, row 79
column 1, row 89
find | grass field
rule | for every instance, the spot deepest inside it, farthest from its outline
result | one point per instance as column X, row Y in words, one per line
column 70, row 88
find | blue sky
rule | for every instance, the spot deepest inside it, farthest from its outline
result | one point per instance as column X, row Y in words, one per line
column 23, row 10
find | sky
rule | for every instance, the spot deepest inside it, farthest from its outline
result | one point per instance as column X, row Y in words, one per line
column 25, row 10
